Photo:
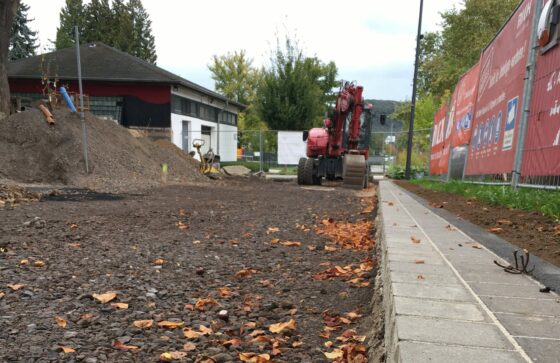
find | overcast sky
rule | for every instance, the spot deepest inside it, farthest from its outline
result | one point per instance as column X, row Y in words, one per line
column 372, row 42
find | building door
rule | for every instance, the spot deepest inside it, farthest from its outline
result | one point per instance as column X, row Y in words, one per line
column 185, row 137
column 206, row 135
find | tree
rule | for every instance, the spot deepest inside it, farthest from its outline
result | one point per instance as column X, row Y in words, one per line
column 8, row 9
column 23, row 41
column 98, row 22
column 234, row 76
column 144, row 43
column 295, row 90
column 70, row 16
column 446, row 55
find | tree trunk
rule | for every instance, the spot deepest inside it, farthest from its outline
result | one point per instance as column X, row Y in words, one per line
column 8, row 10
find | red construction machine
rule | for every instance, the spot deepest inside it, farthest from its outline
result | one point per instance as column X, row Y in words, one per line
column 339, row 150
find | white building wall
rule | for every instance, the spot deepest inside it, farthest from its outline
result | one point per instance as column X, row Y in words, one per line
column 228, row 135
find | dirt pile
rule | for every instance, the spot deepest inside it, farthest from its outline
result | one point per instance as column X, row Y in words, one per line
column 33, row 152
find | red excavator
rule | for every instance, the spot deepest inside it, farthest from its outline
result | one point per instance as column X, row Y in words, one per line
column 339, row 150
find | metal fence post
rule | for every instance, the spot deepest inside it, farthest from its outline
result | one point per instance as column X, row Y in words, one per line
column 84, row 130
column 527, row 92
column 261, row 151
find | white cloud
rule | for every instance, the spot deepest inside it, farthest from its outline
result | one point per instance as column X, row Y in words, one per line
column 371, row 42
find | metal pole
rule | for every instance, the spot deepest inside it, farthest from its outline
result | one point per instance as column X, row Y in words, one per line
column 413, row 101
column 527, row 92
column 261, row 151
column 84, row 130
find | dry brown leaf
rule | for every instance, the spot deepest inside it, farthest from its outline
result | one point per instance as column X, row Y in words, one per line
column 248, row 235
column 420, row 277
column 202, row 302
column 415, row 240
column 419, row 262
column 496, row 230
column 2, row 294
column 191, row 334
column 24, row 262
column 117, row 344
column 311, row 248
column 189, row 346
column 170, row 324
column 39, row 263
column 189, row 307
column 182, row 226
column 245, row 272
column 87, row 316
column 290, row 243
column 159, row 261
column 335, row 354
column 60, row 321
column 224, row 292
column 16, row 287
column 328, row 344
column 265, row 283
column 120, row 305
column 232, row 342
column 234, row 241
column 205, row 330
column 254, row 358
column 250, row 324
column 170, row 356
column 505, row 222
column 297, row 343
column 106, row 297
column 450, row 227
column 353, row 315
column 330, row 248
column 271, row 230
column 279, row 327
column 143, row 324
column 478, row 247
column 67, row 349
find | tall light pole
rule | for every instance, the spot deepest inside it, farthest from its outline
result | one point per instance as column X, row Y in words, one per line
column 413, row 101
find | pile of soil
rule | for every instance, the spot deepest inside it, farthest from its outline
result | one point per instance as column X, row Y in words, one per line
column 31, row 151
column 530, row 230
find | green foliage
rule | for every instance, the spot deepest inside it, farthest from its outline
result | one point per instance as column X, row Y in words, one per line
column 295, row 91
column 23, row 41
column 124, row 25
column 424, row 112
column 446, row 55
column 70, row 16
column 546, row 202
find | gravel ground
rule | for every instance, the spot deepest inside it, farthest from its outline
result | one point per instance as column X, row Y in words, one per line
column 250, row 271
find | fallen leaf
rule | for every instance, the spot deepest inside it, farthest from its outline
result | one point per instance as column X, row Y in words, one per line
column 196, row 242
column 265, row 283
column 67, row 349
column 335, row 354
column 205, row 330
column 254, row 358
column 279, row 327
column 117, row 344
column 191, row 334
column 16, row 287
column 271, row 230
column 311, row 248
column 120, row 305
column 24, row 262
column 415, row 240
column 224, row 292
column 353, row 315
column 202, row 302
column 248, row 235
column 143, row 324
column 189, row 307
column 450, row 227
column 296, row 344
column 420, row 277
column 290, row 243
column 328, row 344
column 496, row 230
column 182, row 226
column 245, row 272
column 233, row 241
column 60, row 321
column 106, row 297
column 170, row 324
column 159, row 261
column 87, row 316
column 188, row 347
column 436, row 205
column 419, row 262
column 39, row 263
column 478, row 247
column 2, row 294
column 330, row 248
column 75, row 245
column 504, row 222
column 232, row 342
column 169, row 356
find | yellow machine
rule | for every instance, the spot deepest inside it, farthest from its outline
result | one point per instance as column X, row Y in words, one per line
column 207, row 160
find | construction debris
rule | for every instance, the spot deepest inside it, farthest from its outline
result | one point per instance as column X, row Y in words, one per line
column 236, row 170
column 11, row 195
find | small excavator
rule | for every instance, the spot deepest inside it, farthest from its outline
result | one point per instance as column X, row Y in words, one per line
column 207, row 160
column 339, row 150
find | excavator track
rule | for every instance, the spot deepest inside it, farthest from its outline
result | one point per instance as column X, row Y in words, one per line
column 354, row 171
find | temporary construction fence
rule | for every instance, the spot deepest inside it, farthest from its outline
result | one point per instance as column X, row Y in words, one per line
column 502, row 123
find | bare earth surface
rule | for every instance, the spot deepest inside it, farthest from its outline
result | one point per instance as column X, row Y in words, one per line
column 208, row 269
column 529, row 230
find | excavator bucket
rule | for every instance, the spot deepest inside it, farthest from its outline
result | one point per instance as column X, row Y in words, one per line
column 354, row 171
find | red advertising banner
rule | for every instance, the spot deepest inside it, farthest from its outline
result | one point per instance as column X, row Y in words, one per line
column 541, row 152
column 438, row 162
column 462, row 107
column 499, row 96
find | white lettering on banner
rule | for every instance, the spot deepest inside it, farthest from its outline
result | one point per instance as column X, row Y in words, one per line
column 554, row 81
column 557, row 140
column 436, row 155
column 507, row 66
column 524, row 14
column 490, row 105
column 555, row 110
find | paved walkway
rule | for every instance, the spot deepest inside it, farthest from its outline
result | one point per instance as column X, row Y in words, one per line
column 446, row 301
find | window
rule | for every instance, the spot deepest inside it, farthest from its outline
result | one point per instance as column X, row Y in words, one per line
column 187, row 107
